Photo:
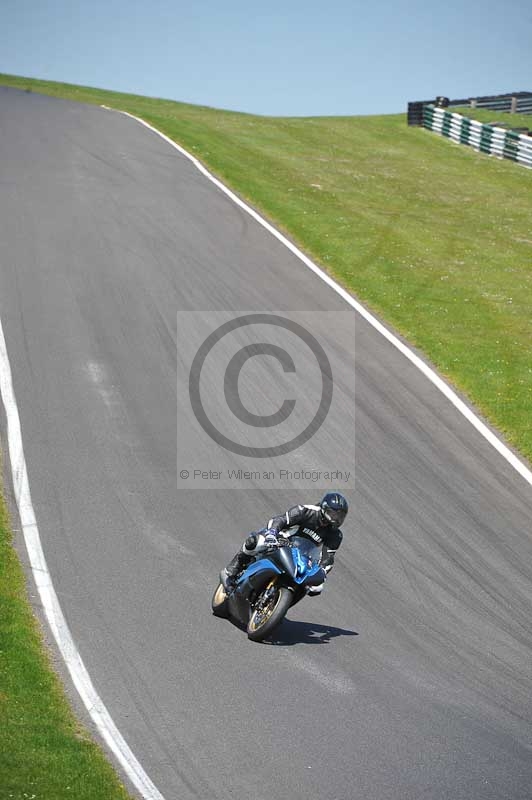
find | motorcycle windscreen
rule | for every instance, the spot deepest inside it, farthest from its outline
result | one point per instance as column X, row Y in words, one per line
column 306, row 557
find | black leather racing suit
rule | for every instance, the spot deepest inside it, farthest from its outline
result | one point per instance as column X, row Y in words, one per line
column 307, row 521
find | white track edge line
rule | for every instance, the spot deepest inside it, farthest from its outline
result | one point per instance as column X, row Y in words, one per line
column 429, row 373
column 56, row 620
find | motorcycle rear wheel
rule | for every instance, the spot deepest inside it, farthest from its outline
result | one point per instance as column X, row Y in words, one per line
column 219, row 602
column 268, row 611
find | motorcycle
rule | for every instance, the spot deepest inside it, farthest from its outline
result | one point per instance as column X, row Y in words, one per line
column 278, row 579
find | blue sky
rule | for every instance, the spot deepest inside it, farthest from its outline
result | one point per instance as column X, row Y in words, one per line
column 281, row 58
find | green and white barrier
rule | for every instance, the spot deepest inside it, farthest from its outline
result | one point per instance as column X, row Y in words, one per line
column 485, row 138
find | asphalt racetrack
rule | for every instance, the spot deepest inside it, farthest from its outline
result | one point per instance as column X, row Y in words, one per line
column 411, row 676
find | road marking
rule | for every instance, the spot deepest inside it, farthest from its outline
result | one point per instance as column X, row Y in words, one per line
column 43, row 580
column 429, row 373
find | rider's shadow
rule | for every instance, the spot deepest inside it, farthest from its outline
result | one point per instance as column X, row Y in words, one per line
column 293, row 632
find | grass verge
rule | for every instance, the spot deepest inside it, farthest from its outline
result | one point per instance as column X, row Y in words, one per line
column 45, row 754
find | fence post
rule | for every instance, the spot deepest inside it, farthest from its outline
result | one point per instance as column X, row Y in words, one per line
column 415, row 113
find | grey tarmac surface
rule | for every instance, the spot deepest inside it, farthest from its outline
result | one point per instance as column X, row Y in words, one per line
column 411, row 677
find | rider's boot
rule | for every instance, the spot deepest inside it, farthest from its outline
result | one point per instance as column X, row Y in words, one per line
column 234, row 568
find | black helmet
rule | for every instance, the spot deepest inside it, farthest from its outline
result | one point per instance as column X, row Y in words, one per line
column 334, row 508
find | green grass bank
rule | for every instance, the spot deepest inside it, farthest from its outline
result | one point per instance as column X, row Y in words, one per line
column 45, row 753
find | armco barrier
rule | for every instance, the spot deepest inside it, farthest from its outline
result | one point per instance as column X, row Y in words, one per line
column 486, row 138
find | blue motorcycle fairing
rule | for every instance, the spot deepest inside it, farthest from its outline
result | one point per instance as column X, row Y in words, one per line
column 252, row 581
column 301, row 572
column 258, row 566
column 297, row 566
column 255, row 578
column 305, row 570
column 315, row 577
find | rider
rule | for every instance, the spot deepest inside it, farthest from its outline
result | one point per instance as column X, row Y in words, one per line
column 320, row 524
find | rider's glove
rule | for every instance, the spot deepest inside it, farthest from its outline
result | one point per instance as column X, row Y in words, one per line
column 270, row 539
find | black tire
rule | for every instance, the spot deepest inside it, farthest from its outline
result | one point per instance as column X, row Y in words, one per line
column 219, row 602
column 265, row 619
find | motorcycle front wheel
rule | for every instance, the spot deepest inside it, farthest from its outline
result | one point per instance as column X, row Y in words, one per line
column 219, row 602
column 268, row 611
